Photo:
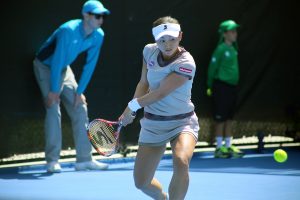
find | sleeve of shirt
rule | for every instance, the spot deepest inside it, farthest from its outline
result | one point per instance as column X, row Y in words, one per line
column 58, row 60
column 89, row 67
column 147, row 51
column 213, row 67
column 187, row 69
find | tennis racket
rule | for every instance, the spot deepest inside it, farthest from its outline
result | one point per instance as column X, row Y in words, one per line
column 104, row 136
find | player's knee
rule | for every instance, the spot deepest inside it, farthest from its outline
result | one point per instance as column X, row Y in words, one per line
column 80, row 114
column 141, row 184
column 181, row 162
column 53, row 110
column 81, row 108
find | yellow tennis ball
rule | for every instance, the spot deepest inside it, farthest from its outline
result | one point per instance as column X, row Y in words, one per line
column 280, row 155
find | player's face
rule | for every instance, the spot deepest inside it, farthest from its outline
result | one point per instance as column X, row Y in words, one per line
column 231, row 36
column 168, row 45
column 95, row 20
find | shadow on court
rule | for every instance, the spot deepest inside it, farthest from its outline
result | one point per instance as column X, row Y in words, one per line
column 29, row 176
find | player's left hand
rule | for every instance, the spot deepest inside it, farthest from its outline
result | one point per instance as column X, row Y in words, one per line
column 51, row 99
column 79, row 99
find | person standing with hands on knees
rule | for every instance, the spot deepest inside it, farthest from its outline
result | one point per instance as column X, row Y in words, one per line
column 57, row 83
column 222, row 81
column 164, row 91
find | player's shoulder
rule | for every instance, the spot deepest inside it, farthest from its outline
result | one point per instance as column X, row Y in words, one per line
column 187, row 55
column 220, row 46
column 150, row 48
column 71, row 25
column 186, row 58
column 219, row 50
column 185, row 64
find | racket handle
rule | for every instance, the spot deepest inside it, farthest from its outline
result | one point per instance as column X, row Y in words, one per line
column 119, row 127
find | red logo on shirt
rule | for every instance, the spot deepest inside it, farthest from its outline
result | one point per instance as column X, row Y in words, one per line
column 185, row 70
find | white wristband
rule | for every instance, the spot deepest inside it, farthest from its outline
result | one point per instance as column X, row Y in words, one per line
column 134, row 105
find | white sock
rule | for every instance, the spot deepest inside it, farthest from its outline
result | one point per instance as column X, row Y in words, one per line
column 227, row 142
column 219, row 141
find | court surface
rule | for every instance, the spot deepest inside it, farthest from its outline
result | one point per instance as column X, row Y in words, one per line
column 254, row 177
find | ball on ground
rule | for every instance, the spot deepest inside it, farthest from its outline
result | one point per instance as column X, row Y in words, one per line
column 280, row 155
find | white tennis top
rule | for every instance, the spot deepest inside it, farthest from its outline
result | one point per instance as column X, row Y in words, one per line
column 179, row 100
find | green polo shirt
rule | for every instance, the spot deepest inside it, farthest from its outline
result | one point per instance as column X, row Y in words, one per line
column 224, row 65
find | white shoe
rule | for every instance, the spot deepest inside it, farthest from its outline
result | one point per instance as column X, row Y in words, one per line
column 53, row 167
column 90, row 165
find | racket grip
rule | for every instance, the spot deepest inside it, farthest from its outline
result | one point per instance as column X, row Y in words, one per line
column 119, row 127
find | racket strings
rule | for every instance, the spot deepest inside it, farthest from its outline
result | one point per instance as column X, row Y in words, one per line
column 102, row 136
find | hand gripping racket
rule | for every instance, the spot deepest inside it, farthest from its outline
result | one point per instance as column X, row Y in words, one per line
column 104, row 136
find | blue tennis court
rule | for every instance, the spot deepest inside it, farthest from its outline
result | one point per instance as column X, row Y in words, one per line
column 254, row 177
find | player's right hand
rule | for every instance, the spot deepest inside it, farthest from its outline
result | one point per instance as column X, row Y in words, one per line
column 51, row 99
column 79, row 99
column 127, row 117
column 208, row 92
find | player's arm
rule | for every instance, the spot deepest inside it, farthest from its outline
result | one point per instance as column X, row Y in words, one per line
column 88, row 70
column 142, row 88
column 90, row 65
column 180, row 74
column 58, row 60
column 212, row 69
column 169, row 84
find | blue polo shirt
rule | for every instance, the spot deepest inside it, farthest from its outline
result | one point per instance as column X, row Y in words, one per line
column 63, row 47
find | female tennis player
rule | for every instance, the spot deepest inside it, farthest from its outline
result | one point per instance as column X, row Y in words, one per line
column 164, row 91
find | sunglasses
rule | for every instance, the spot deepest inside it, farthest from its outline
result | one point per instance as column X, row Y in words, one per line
column 98, row 16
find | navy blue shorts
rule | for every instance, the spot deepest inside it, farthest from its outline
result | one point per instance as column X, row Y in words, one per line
column 224, row 100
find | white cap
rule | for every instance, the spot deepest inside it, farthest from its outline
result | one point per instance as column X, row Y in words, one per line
column 166, row 29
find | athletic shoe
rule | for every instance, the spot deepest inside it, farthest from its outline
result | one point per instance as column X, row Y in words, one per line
column 90, row 165
column 235, row 152
column 222, row 152
column 53, row 167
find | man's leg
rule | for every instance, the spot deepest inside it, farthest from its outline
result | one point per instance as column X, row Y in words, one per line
column 218, row 132
column 53, row 137
column 228, row 133
column 53, row 133
column 78, row 116
column 221, row 151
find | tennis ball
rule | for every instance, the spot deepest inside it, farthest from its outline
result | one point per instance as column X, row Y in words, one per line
column 280, row 155
column 208, row 92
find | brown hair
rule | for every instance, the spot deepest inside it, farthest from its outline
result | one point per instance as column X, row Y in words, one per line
column 164, row 20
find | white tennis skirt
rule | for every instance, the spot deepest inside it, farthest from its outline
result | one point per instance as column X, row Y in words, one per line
column 158, row 133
